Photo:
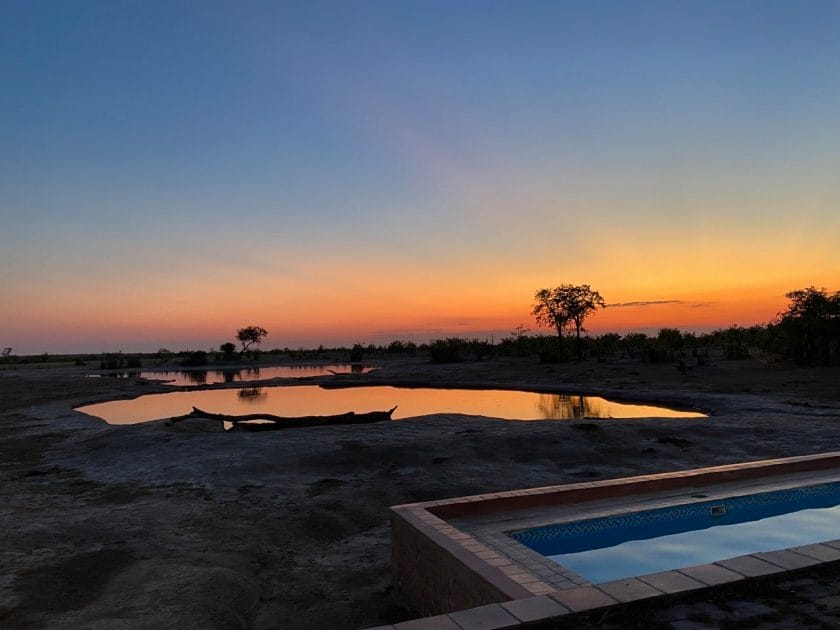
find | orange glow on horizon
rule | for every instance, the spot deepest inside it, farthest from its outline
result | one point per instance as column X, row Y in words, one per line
column 376, row 303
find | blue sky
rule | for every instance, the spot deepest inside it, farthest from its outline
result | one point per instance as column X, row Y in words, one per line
column 263, row 160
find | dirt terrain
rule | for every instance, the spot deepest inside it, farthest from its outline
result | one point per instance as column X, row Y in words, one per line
column 144, row 526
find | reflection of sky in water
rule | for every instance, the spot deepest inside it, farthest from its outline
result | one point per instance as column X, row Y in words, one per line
column 638, row 557
column 313, row 400
column 234, row 375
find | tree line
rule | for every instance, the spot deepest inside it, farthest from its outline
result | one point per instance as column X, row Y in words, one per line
column 807, row 332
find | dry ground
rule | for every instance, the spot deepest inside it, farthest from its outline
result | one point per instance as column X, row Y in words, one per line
column 145, row 527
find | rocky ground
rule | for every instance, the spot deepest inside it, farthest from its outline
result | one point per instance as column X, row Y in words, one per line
column 145, row 526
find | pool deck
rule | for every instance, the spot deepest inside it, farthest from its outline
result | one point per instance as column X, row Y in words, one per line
column 454, row 560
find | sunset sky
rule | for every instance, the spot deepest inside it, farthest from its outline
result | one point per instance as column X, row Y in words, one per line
column 343, row 172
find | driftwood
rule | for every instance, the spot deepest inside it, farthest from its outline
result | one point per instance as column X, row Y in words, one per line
column 270, row 422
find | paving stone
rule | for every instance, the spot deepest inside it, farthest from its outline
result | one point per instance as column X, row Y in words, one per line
column 584, row 598
column 671, row 582
column 539, row 588
column 787, row 559
column 490, row 617
column 820, row 552
column 523, row 578
column 499, row 562
column 750, row 566
column 440, row 622
column 711, row 574
column 535, row 608
column 629, row 590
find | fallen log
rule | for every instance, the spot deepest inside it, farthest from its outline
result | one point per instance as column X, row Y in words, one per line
column 270, row 422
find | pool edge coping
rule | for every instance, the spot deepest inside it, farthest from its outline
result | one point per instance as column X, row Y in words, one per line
column 525, row 598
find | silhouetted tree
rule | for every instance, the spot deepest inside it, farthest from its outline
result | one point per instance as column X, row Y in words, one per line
column 6, row 352
column 549, row 312
column 567, row 305
column 811, row 325
column 227, row 350
column 250, row 335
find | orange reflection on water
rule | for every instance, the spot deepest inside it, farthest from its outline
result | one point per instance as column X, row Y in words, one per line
column 231, row 375
column 313, row 400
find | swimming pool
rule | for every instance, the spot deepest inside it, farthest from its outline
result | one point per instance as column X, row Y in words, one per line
column 455, row 553
column 638, row 543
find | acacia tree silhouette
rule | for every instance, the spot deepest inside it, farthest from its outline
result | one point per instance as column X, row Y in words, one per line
column 549, row 312
column 565, row 306
column 250, row 335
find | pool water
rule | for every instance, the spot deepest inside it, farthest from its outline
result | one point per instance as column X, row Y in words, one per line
column 638, row 543
column 307, row 400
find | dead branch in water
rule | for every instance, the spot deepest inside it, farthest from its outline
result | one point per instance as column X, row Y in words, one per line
column 270, row 422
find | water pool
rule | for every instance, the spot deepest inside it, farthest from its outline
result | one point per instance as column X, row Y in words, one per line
column 234, row 375
column 306, row 400
column 639, row 543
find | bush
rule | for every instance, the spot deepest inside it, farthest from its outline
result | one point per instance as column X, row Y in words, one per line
column 199, row 357
column 736, row 351
column 446, row 350
column 549, row 350
column 112, row 362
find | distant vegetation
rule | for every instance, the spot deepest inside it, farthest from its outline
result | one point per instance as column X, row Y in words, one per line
column 806, row 333
column 809, row 330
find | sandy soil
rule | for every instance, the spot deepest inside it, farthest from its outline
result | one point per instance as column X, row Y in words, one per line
column 144, row 526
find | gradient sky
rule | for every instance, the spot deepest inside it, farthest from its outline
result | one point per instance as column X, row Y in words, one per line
column 362, row 171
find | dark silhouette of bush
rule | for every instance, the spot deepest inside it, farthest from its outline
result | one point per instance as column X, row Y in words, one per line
column 455, row 349
column 810, row 327
column 112, row 361
column 357, row 353
column 199, row 357
column 605, row 345
column 228, row 349
column 449, row 350
column 635, row 345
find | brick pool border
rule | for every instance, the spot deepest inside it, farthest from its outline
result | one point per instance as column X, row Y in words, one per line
column 449, row 573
